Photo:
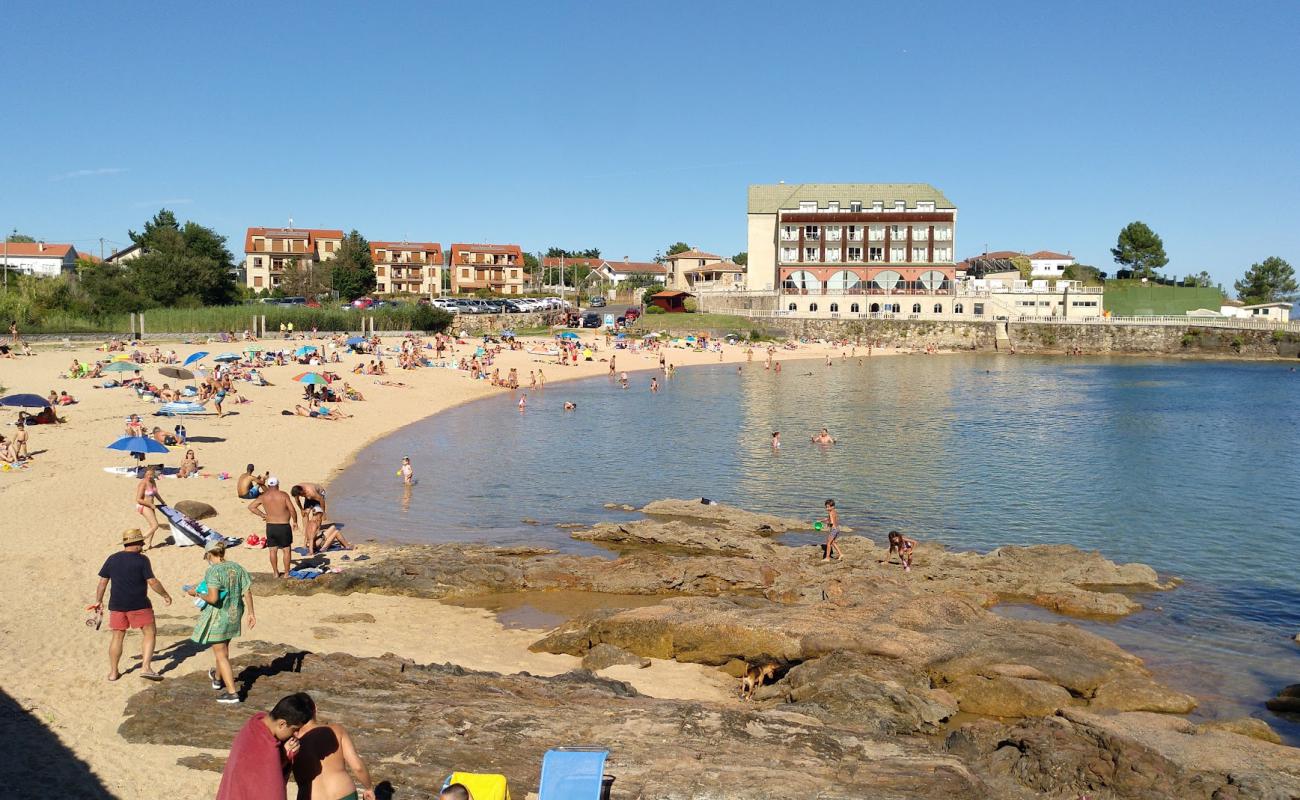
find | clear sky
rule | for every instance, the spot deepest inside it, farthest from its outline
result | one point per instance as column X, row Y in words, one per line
column 628, row 126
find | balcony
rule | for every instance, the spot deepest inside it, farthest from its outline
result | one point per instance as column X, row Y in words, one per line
column 789, row 236
column 812, row 237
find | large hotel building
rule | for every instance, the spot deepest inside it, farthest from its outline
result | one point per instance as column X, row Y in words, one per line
column 851, row 238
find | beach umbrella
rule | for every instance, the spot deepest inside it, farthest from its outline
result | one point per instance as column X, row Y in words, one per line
column 507, row 333
column 122, row 366
column 312, row 377
column 196, row 357
column 356, row 340
column 651, row 336
column 25, row 401
column 304, row 350
column 138, row 444
column 568, row 335
column 120, row 357
column 177, row 372
column 227, row 357
column 252, row 348
column 621, row 336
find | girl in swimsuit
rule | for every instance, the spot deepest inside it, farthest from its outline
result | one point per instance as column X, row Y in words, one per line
column 904, row 546
column 146, row 497
column 190, row 466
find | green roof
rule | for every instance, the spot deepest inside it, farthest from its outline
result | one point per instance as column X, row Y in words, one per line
column 769, row 198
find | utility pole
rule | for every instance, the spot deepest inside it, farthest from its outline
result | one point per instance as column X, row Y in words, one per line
column 101, row 248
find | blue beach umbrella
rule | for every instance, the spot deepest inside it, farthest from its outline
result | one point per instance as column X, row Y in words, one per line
column 507, row 333
column 25, row 401
column 122, row 366
column 138, row 444
column 356, row 340
column 568, row 335
column 227, row 357
column 196, row 357
column 304, row 350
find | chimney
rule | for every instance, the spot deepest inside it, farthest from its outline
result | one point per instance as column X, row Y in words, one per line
column 627, row 260
column 40, row 246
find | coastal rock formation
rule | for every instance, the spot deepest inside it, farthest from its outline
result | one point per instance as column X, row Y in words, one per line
column 607, row 655
column 417, row 723
column 1287, row 701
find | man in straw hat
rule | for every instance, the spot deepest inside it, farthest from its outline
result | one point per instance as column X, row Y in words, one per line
column 131, row 576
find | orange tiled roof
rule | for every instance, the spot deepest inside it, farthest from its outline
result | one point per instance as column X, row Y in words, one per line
column 416, row 247
column 501, row 249
column 37, row 249
column 310, row 234
column 1048, row 254
column 693, row 253
column 627, row 267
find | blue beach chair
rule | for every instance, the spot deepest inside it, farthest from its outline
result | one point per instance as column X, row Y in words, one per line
column 573, row 773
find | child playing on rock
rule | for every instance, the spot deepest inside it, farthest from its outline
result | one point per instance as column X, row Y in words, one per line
column 904, row 546
column 832, row 522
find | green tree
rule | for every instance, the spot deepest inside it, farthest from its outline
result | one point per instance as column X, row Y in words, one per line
column 1270, row 281
column 352, row 270
column 19, row 237
column 1084, row 273
column 679, row 247
column 112, row 289
column 559, row 252
column 163, row 221
column 302, row 278
column 741, row 258
column 1140, row 249
column 1200, row 279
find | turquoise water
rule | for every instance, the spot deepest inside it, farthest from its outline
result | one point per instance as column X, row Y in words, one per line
column 1191, row 467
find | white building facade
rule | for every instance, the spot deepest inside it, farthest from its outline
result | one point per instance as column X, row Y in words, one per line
column 39, row 258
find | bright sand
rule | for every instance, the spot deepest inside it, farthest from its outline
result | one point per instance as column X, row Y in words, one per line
column 63, row 515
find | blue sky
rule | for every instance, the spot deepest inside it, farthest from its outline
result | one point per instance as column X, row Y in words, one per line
column 630, row 126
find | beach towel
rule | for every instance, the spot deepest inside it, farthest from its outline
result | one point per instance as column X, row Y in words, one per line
column 178, row 409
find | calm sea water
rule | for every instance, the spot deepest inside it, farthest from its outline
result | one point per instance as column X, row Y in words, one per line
column 1190, row 467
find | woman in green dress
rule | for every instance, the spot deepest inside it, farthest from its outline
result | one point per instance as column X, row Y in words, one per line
column 228, row 593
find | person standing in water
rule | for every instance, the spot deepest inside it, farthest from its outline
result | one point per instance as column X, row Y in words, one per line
column 654, row 384
column 832, row 521
column 407, row 471
column 776, row 440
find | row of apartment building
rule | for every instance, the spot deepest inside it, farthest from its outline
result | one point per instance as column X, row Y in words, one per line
column 413, row 267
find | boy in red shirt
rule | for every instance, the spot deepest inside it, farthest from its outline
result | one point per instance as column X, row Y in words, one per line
column 258, row 767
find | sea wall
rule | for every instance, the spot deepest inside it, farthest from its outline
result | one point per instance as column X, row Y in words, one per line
column 487, row 323
column 1029, row 337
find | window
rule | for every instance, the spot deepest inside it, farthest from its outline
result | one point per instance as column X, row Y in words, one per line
column 898, row 254
column 833, row 254
column 835, row 308
column 790, row 233
column 943, row 234
column 925, row 205
column 801, row 281
column 920, row 254
column 854, row 309
column 938, row 308
column 855, row 206
column 876, row 254
column 900, row 205
column 979, row 309
column 464, row 273
column 876, row 233
column 958, row 309
column 875, row 308
column 329, row 247
column 916, row 308
column 855, row 233
column 811, row 232
column 932, row 280
column 257, row 281
column 855, row 254
column 793, row 307
column 844, row 280
column 943, row 254
column 886, row 280
column 811, row 254
column 789, row 253
column 257, row 261
column 833, row 205
column 381, row 288
column 379, row 271
column 920, row 232
column 878, row 205
column 896, row 232
column 807, row 205
column 812, row 306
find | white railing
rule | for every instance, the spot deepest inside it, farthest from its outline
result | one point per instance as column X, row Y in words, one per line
column 1231, row 323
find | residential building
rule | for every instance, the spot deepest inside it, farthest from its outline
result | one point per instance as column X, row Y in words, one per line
column 407, row 267
column 718, row 276
column 269, row 251
column 42, row 259
column 851, row 238
column 1047, row 264
column 618, row 271
column 498, row 268
column 973, row 298
column 126, row 254
column 679, row 263
column 1263, row 312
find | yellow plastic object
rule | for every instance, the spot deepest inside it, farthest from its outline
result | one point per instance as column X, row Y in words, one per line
column 482, row 786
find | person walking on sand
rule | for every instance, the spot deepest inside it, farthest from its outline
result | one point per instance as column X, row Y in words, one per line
column 325, row 757
column 146, row 500
column 281, row 517
column 227, row 592
column 129, row 577
column 260, row 755
column 832, row 522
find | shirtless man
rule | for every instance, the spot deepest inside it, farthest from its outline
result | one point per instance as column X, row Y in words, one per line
column 311, row 499
column 281, row 517
column 249, row 485
column 320, row 768
column 823, row 438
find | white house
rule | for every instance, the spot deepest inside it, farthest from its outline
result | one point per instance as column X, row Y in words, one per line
column 39, row 258
column 1267, row 312
column 1047, row 264
column 618, row 271
column 126, row 254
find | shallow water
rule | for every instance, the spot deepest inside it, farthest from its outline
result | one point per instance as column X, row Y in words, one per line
column 1188, row 466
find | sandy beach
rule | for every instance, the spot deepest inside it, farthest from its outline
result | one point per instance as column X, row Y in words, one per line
column 64, row 514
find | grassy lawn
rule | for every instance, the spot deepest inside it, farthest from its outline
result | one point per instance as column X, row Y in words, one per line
column 690, row 323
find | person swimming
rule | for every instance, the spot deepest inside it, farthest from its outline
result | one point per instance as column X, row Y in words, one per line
column 823, row 438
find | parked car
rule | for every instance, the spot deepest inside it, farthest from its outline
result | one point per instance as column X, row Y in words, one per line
column 363, row 302
column 596, row 301
column 591, row 321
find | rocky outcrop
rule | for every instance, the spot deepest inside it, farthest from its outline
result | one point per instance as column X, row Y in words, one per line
column 416, row 724
column 1287, row 701
column 607, row 655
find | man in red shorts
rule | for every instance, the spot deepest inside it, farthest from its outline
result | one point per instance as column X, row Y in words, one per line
column 131, row 576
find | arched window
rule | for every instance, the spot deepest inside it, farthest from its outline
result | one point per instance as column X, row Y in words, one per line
column 938, row 308
column 835, row 307
column 875, row 308
column 932, row 280
column 843, row 281
column 794, row 307
column 896, row 308
column 854, row 309
column 812, row 306
column 801, row 281
column 958, row 309
column 916, row 308
column 886, row 280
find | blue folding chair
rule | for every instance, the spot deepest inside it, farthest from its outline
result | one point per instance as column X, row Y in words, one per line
column 572, row 773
